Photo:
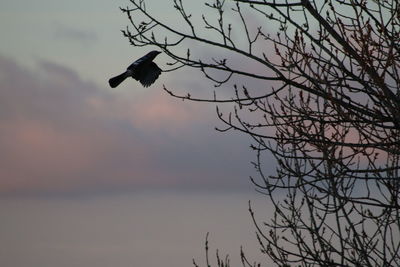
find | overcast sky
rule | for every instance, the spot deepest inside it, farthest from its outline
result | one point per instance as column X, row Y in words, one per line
column 88, row 173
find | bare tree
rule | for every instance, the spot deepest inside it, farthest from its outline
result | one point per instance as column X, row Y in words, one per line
column 324, row 99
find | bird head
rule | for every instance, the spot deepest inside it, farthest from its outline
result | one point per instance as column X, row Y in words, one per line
column 153, row 54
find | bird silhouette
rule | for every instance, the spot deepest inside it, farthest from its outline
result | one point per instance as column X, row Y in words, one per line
column 143, row 70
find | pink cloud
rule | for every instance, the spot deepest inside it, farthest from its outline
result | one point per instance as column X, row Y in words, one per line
column 158, row 111
column 38, row 156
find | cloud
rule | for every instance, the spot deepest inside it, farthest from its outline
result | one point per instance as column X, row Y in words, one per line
column 51, row 135
column 60, row 133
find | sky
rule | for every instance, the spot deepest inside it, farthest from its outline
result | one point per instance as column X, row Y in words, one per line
column 94, row 176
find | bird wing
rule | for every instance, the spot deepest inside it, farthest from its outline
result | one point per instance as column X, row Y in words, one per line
column 139, row 62
column 149, row 74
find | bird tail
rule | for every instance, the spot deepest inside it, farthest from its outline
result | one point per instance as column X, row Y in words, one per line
column 115, row 81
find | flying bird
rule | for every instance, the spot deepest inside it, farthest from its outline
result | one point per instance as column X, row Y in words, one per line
column 143, row 70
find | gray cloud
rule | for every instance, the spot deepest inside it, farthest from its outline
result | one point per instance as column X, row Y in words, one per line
column 60, row 133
